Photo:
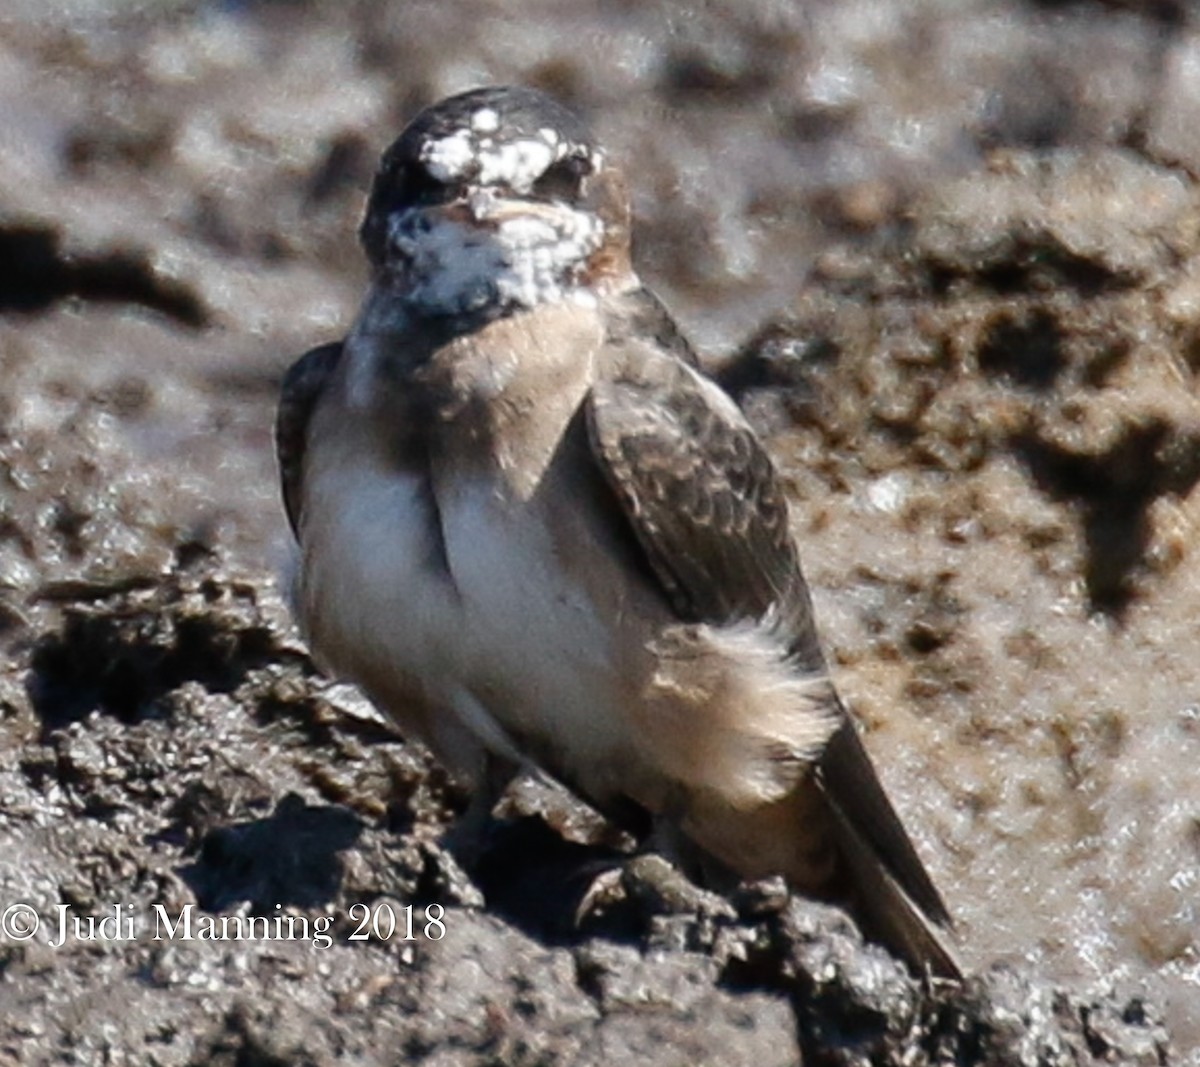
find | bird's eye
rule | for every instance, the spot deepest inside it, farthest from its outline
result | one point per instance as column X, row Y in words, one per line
column 563, row 180
column 419, row 187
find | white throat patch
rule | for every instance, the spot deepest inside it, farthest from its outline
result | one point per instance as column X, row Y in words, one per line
column 521, row 260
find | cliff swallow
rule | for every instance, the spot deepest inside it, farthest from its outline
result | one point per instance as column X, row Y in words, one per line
column 536, row 535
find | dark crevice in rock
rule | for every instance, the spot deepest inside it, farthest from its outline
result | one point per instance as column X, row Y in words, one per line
column 238, row 1044
column 348, row 165
column 1025, row 349
column 1172, row 14
column 535, row 879
column 689, row 74
column 1046, row 119
column 776, row 357
column 291, row 857
column 1033, row 263
column 1113, row 490
column 36, row 273
column 1106, row 362
column 125, row 666
column 1190, row 349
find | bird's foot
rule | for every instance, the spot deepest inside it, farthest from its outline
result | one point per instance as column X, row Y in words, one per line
column 650, row 885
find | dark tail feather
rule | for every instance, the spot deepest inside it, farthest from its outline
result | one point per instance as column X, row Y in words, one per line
column 886, row 913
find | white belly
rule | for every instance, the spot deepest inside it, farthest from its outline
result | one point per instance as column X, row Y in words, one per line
column 505, row 643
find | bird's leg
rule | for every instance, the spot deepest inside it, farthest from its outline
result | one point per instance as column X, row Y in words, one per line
column 466, row 840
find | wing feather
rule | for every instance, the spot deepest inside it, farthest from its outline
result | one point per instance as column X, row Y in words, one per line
column 707, row 507
column 701, row 494
column 302, row 387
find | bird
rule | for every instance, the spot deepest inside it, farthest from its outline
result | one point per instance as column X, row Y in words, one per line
column 541, row 539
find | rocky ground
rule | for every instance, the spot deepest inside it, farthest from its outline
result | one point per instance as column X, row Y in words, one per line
column 947, row 255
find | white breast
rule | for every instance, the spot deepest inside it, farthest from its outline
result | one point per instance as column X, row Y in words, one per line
column 527, row 626
column 369, row 581
column 506, row 644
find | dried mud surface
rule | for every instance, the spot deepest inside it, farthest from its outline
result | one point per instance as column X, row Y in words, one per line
column 947, row 256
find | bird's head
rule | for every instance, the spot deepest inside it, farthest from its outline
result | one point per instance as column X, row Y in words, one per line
column 493, row 201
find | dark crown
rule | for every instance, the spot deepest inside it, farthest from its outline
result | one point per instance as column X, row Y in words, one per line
column 510, row 137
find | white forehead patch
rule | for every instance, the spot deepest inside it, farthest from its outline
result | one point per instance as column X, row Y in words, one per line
column 448, row 159
column 517, row 164
column 525, row 261
column 485, row 120
column 472, row 155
